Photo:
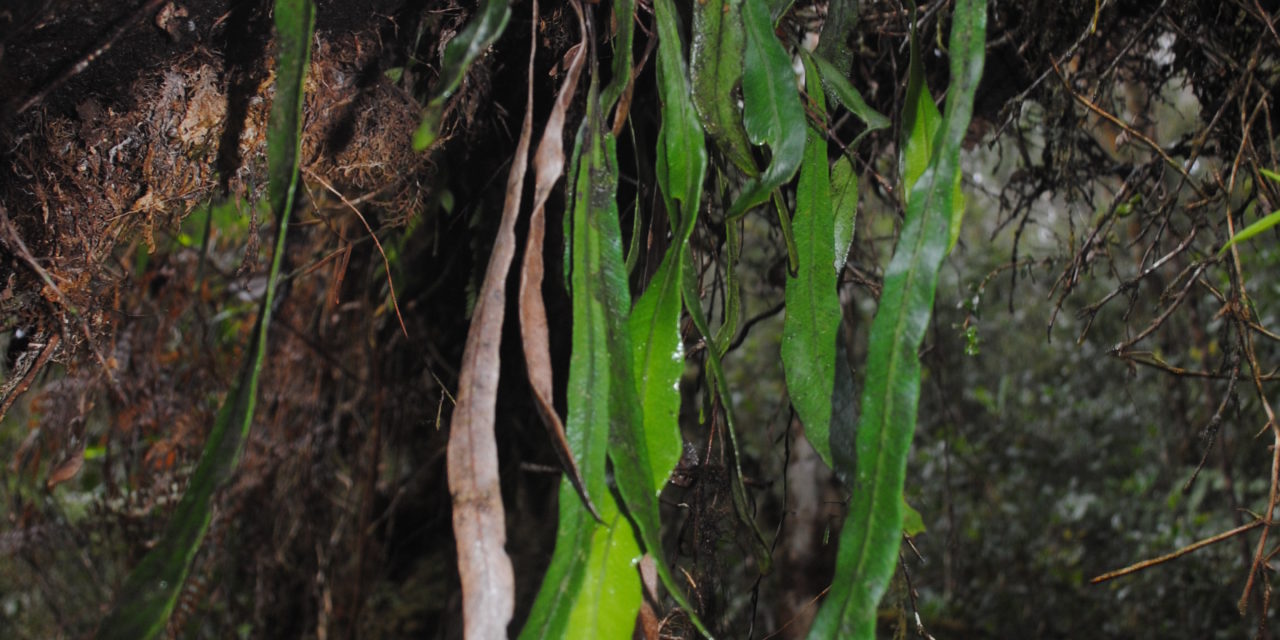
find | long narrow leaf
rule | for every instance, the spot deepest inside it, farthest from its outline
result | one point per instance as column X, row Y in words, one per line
column 479, row 524
column 655, row 320
column 151, row 590
column 1252, row 230
column 534, row 338
column 843, row 91
column 587, row 426
column 871, row 535
column 920, row 123
column 715, row 67
column 624, row 13
column 813, row 310
column 772, row 112
column 610, row 594
column 485, row 27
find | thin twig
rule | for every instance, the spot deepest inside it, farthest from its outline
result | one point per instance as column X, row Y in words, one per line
column 1106, row 115
column 1147, row 564
column 395, row 304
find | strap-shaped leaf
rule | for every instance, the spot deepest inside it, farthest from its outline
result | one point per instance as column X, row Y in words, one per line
column 873, row 527
column 591, row 590
column 655, row 320
column 920, row 123
column 716, row 70
column 813, row 310
column 587, row 426
column 772, row 112
column 485, row 27
column 844, row 206
column 603, row 401
column 624, row 13
column 150, row 592
column 843, row 91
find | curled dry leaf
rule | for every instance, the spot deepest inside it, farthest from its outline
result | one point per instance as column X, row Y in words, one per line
column 479, row 524
column 67, row 470
column 549, row 164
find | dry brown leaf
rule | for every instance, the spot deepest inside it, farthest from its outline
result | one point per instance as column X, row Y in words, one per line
column 66, row 471
column 479, row 524
column 549, row 164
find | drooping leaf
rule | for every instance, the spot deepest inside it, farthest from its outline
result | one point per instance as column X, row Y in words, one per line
column 603, row 399
column 149, row 594
column 592, row 589
column 479, row 524
column 873, row 527
column 590, row 378
column 844, row 206
column 655, row 320
column 1252, row 230
column 920, row 123
column 549, row 166
column 772, row 112
column 610, row 594
column 486, row 25
column 621, row 83
column 715, row 66
column 812, row 308
column 844, row 92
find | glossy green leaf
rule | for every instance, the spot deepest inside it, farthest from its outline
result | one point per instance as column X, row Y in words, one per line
column 562, row 584
column 873, row 527
column 655, row 320
column 624, row 14
column 844, row 92
column 844, row 207
column 611, row 593
column 148, row 595
column 759, row 548
column 590, row 364
column 921, row 121
column 1252, row 230
column 715, row 66
column 592, row 588
column 772, row 112
column 813, row 310
column 591, row 388
column 603, row 398
column 486, row 25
